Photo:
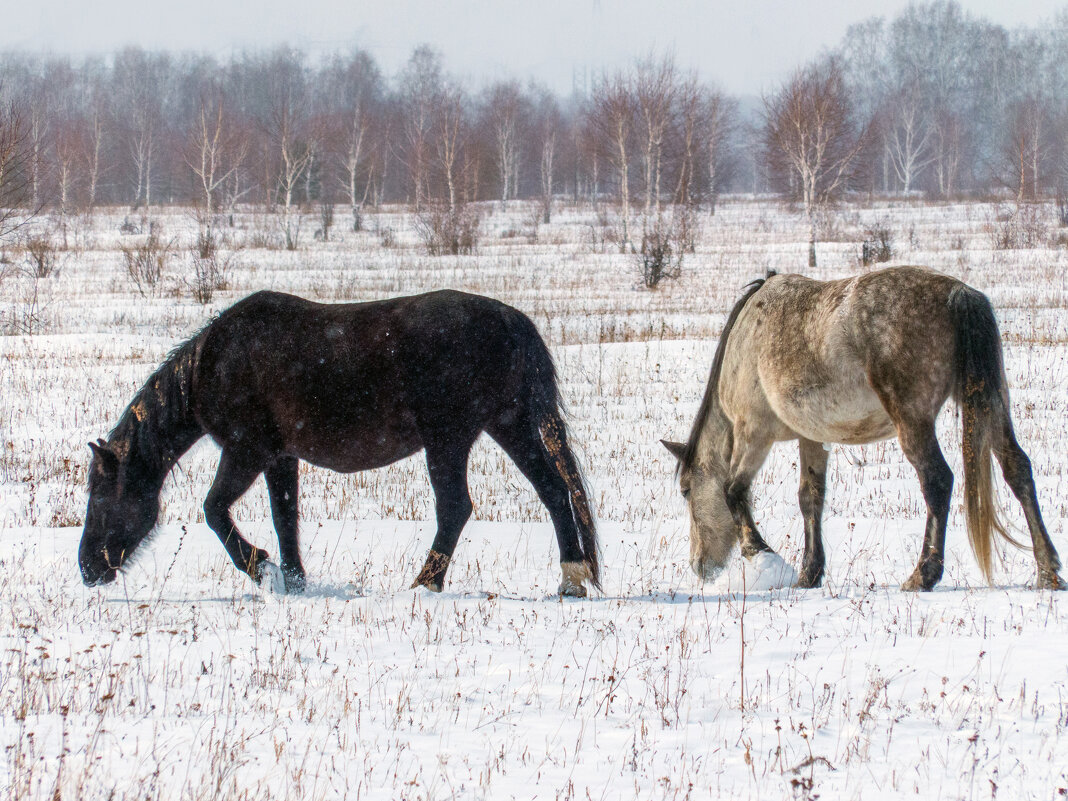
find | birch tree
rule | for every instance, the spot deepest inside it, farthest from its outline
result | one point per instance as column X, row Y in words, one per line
column 909, row 137
column 216, row 146
column 420, row 87
column 719, row 119
column 286, row 136
column 612, row 116
column 14, row 182
column 1026, row 148
column 356, row 98
column 505, row 107
column 811, row 141
column 449, row 138
column 139, row 87
column 655, row 91
column 545, row 129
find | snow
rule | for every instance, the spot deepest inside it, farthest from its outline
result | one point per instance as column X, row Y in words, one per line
column 765, row 571
column 183, row 680
column 271, row 579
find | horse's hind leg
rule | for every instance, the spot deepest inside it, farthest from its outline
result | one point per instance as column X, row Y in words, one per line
column 1016, row 467
column 282, row 488
column 446, row 461
column 810, row 497
column 234, row 477
column 518, row 440
column 921, row 448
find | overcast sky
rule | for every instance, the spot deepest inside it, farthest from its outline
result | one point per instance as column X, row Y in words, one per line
column 746, row 47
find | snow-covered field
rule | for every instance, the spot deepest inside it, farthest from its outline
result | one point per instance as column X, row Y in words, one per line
column 183, row 681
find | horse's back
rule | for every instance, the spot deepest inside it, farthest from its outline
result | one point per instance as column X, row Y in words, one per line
column 352, row 385
column 825, row 355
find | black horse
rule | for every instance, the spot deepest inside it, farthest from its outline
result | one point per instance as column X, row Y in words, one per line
column 275, row 379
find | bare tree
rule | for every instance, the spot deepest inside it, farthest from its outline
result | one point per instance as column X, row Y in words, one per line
column 93, row 150
column 216, row 146
column 655, row 90
column 293, row 156
column 949, row 142
column 421, row 87
column 1026, row 148
column 908, row 136
column 546, row 127
column 69, row 145
column 39, row 129
column 14, row 181
column 140, row 87
column 811, row 141
column 689, row 116
column 354, row 87
column 719, row 118
column 287, row 139
column 449, row 137
column 505, row 105
column 611, row 115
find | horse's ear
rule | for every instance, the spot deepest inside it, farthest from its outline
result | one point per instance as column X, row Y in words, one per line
column 676, row 449
column 106, row 460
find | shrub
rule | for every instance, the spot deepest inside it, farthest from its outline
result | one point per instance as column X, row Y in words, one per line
column 42, row 257
column 449, row 232
column 326, row 220
column 659, row 257
column 878, row 245
column 211, row 267
column 146, row 262
column 1023, row 228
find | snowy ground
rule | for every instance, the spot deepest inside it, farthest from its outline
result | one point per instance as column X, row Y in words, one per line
column 182, row 681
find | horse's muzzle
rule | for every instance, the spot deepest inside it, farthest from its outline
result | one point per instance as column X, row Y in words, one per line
column 93, row 578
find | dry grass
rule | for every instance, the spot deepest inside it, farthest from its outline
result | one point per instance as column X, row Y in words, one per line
column 183, row 682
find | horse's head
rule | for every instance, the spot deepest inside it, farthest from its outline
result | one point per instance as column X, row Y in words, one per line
column 713, row 532
column 122, row 511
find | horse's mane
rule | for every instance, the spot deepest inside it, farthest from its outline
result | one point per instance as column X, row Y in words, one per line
column 709, row 399
column 149, row 430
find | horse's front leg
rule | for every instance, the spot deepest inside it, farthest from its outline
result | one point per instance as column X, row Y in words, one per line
column 751, row 448
column 282, row 487
column 810, row 497
column 233, row 478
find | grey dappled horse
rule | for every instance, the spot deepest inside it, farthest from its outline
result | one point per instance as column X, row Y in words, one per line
column 854, row 361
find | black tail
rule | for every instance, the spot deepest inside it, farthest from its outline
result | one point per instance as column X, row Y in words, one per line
column 551, row 431
column 983, row 396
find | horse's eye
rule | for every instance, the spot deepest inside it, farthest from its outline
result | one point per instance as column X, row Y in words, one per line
column 686, row 493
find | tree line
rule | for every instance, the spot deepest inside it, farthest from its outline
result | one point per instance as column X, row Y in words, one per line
column 934, row 101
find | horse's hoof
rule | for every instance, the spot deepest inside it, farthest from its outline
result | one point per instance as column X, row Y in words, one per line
column 914, row 583
column 569, row 590
column 575, row 576
column 432, row 576
column 271, row 579
column 1049, row 581
column 433, row 586
column 296, row 583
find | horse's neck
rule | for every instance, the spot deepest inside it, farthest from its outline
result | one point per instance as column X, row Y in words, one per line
column 153, row 435
column 717, row 438
column 150, row 459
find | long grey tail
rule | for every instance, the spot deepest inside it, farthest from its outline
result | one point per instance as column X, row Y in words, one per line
column 981, row 392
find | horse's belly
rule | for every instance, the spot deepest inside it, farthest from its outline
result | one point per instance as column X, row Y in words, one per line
column 350, row 449
column 850, row 415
